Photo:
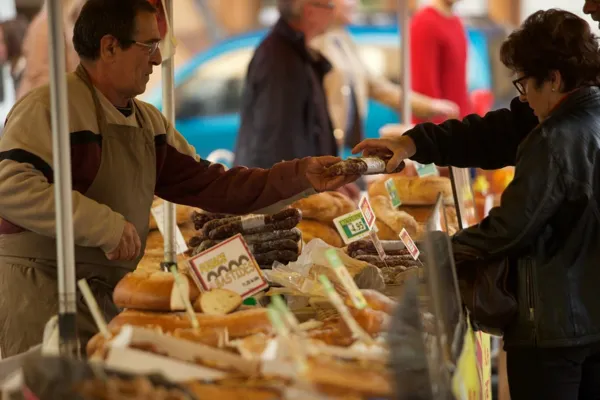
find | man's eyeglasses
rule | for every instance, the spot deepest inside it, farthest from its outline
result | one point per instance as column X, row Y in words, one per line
column 520, row 85
column 152, row 47
column 329, row 5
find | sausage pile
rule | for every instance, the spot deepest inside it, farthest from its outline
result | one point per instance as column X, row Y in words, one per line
column 270, row 237
column 397, row 261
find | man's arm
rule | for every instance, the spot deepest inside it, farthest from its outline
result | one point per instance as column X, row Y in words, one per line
column 488, row 142
column 26, row 183
column 183, row 178
column 271, row 114
column 530, row 200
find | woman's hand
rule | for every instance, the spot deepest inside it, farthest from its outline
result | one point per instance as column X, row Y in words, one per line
column 321, row 181
column 444, row 108
column 401, row 147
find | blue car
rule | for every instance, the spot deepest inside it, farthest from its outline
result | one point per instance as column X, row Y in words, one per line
column 208, row 88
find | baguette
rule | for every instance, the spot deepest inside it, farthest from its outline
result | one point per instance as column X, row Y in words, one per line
column 396, row 220
column 238, row 324
column 152, row 290
column 218, row 302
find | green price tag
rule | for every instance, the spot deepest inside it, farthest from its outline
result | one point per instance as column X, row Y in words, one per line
column 390, row 186
column 334, row 259
column 276, row 321
column 326, row 283
column 352, row 226
column 427, row 170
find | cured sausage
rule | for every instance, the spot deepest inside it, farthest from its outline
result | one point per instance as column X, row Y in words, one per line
column 362, row 166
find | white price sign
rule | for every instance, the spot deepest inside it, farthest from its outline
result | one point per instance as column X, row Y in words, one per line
column 410, row 245
column 352, row 226
column 158, row 214
column 228, row 265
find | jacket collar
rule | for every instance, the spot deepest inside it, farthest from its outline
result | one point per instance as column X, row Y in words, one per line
column 297, row 41
column 576, row 99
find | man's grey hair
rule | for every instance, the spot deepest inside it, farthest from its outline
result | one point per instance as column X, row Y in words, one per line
column 290, row 9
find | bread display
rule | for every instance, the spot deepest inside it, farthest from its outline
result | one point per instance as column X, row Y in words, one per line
column 319, row 230
column 325, row 207
column 153, row 290
column 384, row 232
column 218, row 302
column 270, row 238
column 394, row 219
column 415, row 190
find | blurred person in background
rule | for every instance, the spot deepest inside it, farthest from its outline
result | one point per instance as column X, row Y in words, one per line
column 12, row 33
column 438, row 56
column 350, row 84
column 36, row 45
column 592, row 7
column 284, row 111
column 548, row 222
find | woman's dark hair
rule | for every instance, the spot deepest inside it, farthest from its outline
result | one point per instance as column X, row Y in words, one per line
column 14, row 31
column 554, row 40
column 106, row 17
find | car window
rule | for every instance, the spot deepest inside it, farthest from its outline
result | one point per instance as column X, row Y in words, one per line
column 215, row 88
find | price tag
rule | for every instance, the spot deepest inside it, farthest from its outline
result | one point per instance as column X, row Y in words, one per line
column 358, row 300
column 426, row 170
column 367, row 211
column 390, row 186
column 378, row 245
column 158, row 214
column 285, row 313
column 228, row 265
column 410, row 245
column 336, row 300
column 352, row 226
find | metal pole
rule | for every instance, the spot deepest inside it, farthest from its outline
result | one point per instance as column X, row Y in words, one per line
column 404, row 28
column 63, row 189
column 168, row 88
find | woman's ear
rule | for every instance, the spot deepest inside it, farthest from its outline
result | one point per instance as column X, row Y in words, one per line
column 556, row 81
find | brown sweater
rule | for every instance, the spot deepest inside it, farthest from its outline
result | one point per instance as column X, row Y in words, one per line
column 26, row 176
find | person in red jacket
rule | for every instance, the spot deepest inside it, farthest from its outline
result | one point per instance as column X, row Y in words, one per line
column 438, row 53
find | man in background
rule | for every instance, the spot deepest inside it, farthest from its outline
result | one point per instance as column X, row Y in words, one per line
column 438, row 51
column 284, row 112
column 592, row 7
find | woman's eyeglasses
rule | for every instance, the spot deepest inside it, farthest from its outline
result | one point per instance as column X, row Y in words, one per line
column 519, row 83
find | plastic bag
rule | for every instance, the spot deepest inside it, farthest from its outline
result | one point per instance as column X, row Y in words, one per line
column 300, row 278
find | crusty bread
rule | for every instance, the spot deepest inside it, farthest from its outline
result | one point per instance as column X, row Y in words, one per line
column 238, row 324
column 324, row 207
column 384, row 232
column 415, row 190
column 182, row 214
column 396, row 220
column 152, row 290
column 318, row 230
column 218, row 302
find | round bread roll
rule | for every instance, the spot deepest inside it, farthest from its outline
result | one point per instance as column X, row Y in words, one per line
column 324, row 207
column 396, row 220
column 415, row 190
column 318, row 230
column 152, row 290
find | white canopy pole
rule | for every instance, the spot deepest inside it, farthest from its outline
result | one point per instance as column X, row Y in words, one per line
column 168, row 92
column 404, row 27
column 61, row 163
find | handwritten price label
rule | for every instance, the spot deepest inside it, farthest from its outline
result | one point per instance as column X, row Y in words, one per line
column 367, row 211
column 426, row 170
column 352, row 226
column 410, row 245
column 390, row 186
column 228, row 265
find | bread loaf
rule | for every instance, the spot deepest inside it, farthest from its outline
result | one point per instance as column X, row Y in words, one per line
column 238, row 324
column 396, row 220
column 325, row 207
column 318, row 230
column 218, row 302
column 152, row 290
column 384, row 232
column 415, row 190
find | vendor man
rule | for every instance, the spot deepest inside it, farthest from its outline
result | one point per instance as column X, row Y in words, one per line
column 123, row 152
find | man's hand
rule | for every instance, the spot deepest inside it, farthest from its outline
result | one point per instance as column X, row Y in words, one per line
column 444, row 108
column 129, row 246
column 402, row 147
column 317, row 176
column 592, row 7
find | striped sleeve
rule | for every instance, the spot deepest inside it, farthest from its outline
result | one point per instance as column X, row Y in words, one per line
column 26, row 182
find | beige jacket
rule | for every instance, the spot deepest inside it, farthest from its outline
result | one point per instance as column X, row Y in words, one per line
column 36, row 45
column 366, row 84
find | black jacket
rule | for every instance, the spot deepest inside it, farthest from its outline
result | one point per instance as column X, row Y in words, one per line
column 284, row 112
column 549, row 218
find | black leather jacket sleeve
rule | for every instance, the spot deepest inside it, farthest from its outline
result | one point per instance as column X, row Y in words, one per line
column 528, row 202
column 488, row 142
